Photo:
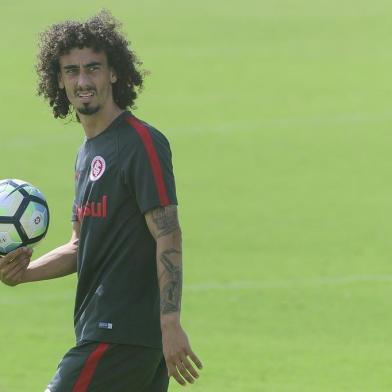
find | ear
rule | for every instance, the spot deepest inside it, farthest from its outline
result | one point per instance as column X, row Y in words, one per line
column 113, row 76
column 61, row 83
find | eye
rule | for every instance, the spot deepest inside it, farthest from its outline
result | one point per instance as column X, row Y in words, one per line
column 71, row 71
column 93, row 68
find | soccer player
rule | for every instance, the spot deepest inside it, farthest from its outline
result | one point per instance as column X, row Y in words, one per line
column 126, row 238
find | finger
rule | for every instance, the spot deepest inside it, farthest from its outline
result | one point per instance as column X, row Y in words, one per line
column 10, row 267
column 20, row 268
column 13, row 263
column 190, row 368
column 14, row 279
column 173, row 372
column 184, row 373
column 9, row 257
column 25, row 251
column 17, row 253
column 14, row 269
column 29, row 251
column 22, row 254
column 195, row 360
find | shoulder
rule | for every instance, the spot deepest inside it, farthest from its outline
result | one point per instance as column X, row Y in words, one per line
column 80, row 152
column 137, row 134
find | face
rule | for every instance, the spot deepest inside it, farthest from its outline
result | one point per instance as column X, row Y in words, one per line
column 87, row 80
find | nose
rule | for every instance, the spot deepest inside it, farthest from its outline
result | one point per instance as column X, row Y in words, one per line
column 83, row 80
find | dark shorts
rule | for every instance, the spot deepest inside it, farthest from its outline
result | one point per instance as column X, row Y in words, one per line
column 103, row 367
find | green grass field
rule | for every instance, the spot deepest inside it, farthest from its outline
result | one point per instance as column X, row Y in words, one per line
column 279, row 116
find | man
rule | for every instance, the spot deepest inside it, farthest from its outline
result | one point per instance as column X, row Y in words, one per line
column 126, row 239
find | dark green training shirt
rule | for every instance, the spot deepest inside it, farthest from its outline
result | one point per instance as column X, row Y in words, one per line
column 120, row 174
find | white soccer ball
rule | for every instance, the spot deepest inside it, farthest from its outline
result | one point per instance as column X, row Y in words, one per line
column 24, row 215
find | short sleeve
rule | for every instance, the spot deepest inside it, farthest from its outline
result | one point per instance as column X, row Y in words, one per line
column 149, row 170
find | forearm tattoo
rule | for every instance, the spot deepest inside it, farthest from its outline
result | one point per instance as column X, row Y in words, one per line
column 166, row 220
column 170, row 281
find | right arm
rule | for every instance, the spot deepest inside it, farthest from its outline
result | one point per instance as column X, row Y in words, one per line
column 55, row 264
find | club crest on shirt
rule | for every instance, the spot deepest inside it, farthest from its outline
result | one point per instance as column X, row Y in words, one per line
column 98, row 166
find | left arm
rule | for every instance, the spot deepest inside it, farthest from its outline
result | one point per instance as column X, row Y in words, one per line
column 164, row 227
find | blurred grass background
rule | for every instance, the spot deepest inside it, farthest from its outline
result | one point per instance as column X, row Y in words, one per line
column 278, row 113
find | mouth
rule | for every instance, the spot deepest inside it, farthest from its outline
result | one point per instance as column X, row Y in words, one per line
column 85, row 95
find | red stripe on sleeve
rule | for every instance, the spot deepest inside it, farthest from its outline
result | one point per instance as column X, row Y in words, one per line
column 144, row 134
column 88, row 370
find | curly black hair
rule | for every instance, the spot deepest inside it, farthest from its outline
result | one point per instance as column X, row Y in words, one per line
column 101, row 33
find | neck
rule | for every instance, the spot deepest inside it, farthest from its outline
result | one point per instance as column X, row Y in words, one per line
column 96, row 123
